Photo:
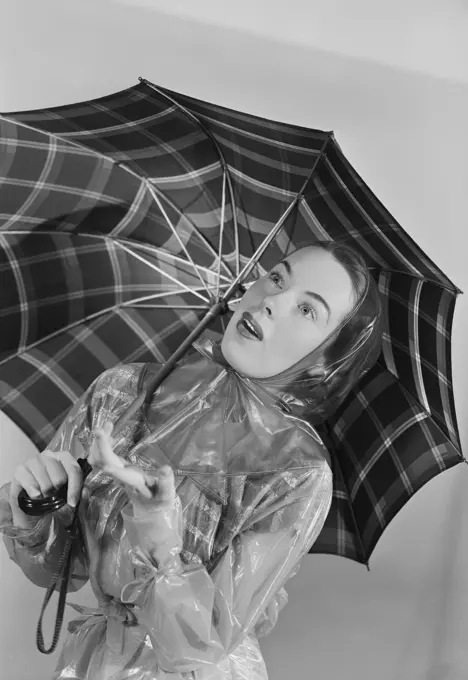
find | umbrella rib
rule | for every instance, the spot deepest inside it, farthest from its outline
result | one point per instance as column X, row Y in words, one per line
column 142, row 306
column 221, row 231
column 160, row 271
column 157, row 296
column 193, row 226
column 159, row 252
column 176, row 209
column 174, row 230
column 218, row 150
column 420, row 382
column 101, row 312
column 235, row 221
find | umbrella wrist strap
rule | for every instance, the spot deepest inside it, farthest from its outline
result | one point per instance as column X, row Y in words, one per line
column 62, row 575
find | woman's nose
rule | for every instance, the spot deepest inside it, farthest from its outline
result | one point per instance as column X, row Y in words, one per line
column 268, row 306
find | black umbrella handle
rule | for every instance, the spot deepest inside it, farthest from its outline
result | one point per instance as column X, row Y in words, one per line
column 37, row 507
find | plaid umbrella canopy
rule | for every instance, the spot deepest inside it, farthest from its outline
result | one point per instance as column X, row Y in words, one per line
column 124, row 219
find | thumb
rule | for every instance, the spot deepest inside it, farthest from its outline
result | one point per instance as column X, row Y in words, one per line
column 104, row 456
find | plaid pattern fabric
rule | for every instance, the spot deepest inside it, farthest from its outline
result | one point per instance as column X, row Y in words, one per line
column 112, row 216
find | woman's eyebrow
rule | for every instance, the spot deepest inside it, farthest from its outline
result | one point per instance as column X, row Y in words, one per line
column 315, row 296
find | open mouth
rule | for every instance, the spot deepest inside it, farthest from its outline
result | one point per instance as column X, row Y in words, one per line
column 248, row 327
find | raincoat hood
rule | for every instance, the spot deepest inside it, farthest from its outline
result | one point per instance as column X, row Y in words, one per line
column 297, row 390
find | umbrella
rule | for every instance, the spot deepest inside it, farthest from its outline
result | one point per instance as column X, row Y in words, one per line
column 127, row 224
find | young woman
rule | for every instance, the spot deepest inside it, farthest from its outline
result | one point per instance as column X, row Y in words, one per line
column 195, row 517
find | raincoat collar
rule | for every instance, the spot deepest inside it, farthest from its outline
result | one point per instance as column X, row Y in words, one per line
column 210, row 422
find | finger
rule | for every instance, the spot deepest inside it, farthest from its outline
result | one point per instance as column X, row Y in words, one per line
column 36, row 467
column 105, row 453
column 105, row 430
column 133, row 478
column 166, row 477
column 152, row 484
column 166, row 472
column 118, row 473
column 56, row 472
column 24, row 479
column 74, row 476
column 108, row 429
column 163, row 484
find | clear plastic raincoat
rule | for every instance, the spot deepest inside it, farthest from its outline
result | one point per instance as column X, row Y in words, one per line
column 185, row 590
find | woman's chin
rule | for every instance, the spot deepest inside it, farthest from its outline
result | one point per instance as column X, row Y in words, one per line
column 238, row 355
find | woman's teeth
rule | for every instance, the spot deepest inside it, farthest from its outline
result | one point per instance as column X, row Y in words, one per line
column 246, row 329
column 250, row 328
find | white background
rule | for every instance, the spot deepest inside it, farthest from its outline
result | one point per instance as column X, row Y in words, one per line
column 391, row 80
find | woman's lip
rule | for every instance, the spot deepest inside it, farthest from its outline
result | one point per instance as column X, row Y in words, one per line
column 248, row 316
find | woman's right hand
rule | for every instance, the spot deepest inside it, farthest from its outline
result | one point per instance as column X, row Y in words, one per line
column 40, row 476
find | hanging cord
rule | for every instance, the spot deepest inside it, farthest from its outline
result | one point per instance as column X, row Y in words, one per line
column 62, row 576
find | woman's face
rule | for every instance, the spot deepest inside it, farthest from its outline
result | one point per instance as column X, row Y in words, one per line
column 288, row 313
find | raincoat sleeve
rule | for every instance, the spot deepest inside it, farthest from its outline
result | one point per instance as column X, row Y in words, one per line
column 37, row 550
column 194, row 616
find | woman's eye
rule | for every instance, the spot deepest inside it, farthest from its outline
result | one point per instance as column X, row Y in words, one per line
column 276, row 278
column 307, row 310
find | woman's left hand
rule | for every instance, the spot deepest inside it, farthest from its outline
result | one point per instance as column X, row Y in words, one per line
column 145, row 491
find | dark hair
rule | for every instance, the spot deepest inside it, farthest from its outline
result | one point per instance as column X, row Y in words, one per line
column 355, row 347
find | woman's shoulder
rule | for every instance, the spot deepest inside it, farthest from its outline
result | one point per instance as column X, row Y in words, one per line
column 310, row 468
column 309, row 447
